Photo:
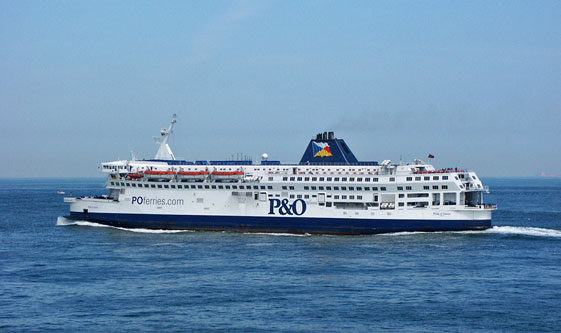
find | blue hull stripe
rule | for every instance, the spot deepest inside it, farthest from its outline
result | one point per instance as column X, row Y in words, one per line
column 312, row 225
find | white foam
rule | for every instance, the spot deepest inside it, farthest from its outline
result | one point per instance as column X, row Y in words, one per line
column 64, row 221
column 508, row 230
column 528, row 231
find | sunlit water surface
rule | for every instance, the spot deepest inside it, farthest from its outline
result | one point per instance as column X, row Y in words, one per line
column 78, row 276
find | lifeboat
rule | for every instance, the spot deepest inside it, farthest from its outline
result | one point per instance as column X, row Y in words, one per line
column 132, row 176
column 227, row 175
column 193, row 175
column 159, row 174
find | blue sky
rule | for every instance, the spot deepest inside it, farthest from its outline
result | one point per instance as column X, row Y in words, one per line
column 476, row 83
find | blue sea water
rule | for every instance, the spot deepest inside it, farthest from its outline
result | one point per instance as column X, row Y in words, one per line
column 93, row 278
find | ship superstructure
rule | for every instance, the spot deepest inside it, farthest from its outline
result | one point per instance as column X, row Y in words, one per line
column 329, row 191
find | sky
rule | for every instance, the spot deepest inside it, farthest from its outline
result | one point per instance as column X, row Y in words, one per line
column 475, row 83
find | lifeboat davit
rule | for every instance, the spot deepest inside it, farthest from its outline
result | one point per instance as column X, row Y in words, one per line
column 194, row 175
column 159, row 174
column 227, row 175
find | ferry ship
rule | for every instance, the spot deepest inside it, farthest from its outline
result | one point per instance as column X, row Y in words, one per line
column 328, row 192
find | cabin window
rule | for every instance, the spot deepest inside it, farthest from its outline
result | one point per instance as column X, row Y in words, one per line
column 292, row 196
column 344, row 179
column 313, row 188
column 220, row 187
column 328, row 188
column 444, row 177
column 320, row 188
column 306, row 188
column 435, row 178
column 193, row 186
column 359, row 179
column 199, row 186
column 366, row 179
column 336, row 179
column 214, row 187
column 291, row 187
column 262, row 187
column 351, row 188
column 159, row 186
column 417, row 178
column 270, row 178
column 426, row 187
column 401, row 195
column 426, row 178
column 367, row 188
column 336, row 188
column 307, row 179
column 374, row 179
column 392, row 179
column 299, row 179
column 336, row 196
column 408, row 188
column 285, row 187
column 153, row 186
column 307, row 196
column 207, row 186
column 382, row 188
column 435, row 187
column 227, row 187
column 284, row 179
column 172, row 186
column 444, row 187
column 400, row 204
column 329, row 179
column 292, row 179
column 299, row 196
column 344, row 197
column 351, row 197
column 400, row 188
column 409, row 179
column 321, row 179
column 359, row 188
column 343, row 188
column 359, row 197
column 255, row 187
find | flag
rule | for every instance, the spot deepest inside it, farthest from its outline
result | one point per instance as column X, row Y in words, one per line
column 431, row 156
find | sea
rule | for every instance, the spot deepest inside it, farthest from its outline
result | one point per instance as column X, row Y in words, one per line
column 84, row 277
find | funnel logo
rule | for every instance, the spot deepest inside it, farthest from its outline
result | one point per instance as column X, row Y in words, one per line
column 321, row 149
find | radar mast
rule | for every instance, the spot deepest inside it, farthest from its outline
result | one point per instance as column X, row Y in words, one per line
column 164, row 152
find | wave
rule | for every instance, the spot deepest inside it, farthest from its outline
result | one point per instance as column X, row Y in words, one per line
column 62, row 221
column 526, row 231
column 506, row 230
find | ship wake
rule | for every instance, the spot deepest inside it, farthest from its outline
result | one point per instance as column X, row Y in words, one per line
column 62, row 221
column 502, row 230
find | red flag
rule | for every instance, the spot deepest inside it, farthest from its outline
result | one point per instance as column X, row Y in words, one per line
column 431, row 156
